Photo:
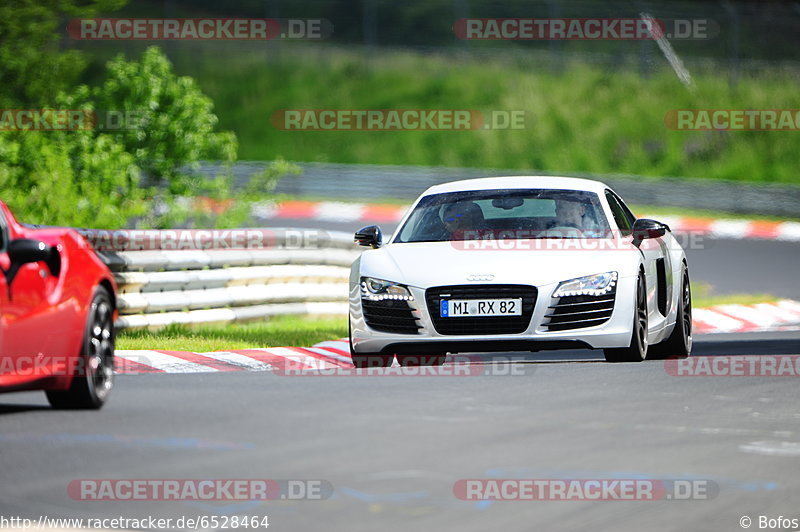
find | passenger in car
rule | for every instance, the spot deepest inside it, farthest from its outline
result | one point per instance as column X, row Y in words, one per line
column 464, row 216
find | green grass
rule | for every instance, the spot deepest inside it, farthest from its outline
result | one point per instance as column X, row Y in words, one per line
column 279, row 331
column 305, row 332
column 702, row 296
column 581, row 118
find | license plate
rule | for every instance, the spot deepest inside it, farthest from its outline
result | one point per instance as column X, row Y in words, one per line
column 464, row 308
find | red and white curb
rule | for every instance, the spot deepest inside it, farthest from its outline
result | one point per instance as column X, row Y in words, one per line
column 330, row 211
column 333, row 211
column 735, row 229
column 782, row 315
column 325, row 355
column 779, row 316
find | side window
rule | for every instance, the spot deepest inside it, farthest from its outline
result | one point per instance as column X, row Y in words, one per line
column 621, row 217
column 628, row 214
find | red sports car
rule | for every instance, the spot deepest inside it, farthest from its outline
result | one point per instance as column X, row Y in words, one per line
column 57, row 312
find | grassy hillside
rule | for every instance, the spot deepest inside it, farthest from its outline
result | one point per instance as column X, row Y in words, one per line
column 580, row 118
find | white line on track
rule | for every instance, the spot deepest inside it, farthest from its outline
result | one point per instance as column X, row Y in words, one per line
column 164, row 362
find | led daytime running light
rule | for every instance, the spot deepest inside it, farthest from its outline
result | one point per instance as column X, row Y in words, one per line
column 384, row 292
column 566, row 292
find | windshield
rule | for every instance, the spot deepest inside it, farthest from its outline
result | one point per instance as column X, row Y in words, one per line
column 508, row 214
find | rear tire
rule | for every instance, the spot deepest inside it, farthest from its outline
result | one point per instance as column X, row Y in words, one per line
column 679, row 343
column 94, row 377
column 637, row 350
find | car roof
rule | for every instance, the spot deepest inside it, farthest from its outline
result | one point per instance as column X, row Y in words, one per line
column 521, row 182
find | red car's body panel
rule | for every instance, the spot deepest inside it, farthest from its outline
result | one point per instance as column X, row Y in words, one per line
column 42, row 316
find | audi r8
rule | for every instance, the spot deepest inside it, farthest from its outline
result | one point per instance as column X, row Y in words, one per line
column 519, row 263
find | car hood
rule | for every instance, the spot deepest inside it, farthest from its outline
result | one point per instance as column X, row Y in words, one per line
column 426, row 264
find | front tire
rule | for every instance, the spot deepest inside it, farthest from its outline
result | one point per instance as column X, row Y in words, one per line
column 637, row 350
column 367, row 360
column 94, row 378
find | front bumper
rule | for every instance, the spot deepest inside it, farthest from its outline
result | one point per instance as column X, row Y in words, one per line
column 616, row 332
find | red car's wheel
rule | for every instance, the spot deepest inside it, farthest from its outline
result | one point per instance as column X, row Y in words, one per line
column 94, row 378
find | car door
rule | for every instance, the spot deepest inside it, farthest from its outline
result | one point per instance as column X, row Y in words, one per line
column 3, row 294
column 657, row 265
column 23, row 307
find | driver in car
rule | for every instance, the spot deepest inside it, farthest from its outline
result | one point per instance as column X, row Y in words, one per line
column 570, row 213
column 573, row 215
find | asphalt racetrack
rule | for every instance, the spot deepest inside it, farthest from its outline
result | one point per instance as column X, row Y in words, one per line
column 392, row 448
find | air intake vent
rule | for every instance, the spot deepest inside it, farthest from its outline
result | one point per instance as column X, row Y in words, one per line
column 390, row 315
column 578, row 312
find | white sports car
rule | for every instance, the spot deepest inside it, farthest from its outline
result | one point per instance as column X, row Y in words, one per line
column 519, row 264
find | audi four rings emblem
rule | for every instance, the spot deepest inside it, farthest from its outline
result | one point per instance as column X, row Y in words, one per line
column 481, row 277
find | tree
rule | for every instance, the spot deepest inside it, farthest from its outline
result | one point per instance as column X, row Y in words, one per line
column 34, row 67
column 75, row 178
column 175, row 121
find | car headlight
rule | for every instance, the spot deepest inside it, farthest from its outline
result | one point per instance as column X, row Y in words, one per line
column 378, row 290
column 591, row 285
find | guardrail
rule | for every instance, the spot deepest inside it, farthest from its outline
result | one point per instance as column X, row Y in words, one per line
column 337, row 181
column 198, row 277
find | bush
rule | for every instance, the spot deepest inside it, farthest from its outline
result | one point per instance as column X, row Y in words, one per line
column 176, row 120
column 104, row 177
column 69, row 178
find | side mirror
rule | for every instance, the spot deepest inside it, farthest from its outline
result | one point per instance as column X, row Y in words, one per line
column 24, row 250
column 645, row 228
column 369, row 236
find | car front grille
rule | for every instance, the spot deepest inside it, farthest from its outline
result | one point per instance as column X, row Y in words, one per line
column 484, row 324
column 578, row 312
column 390, row 315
